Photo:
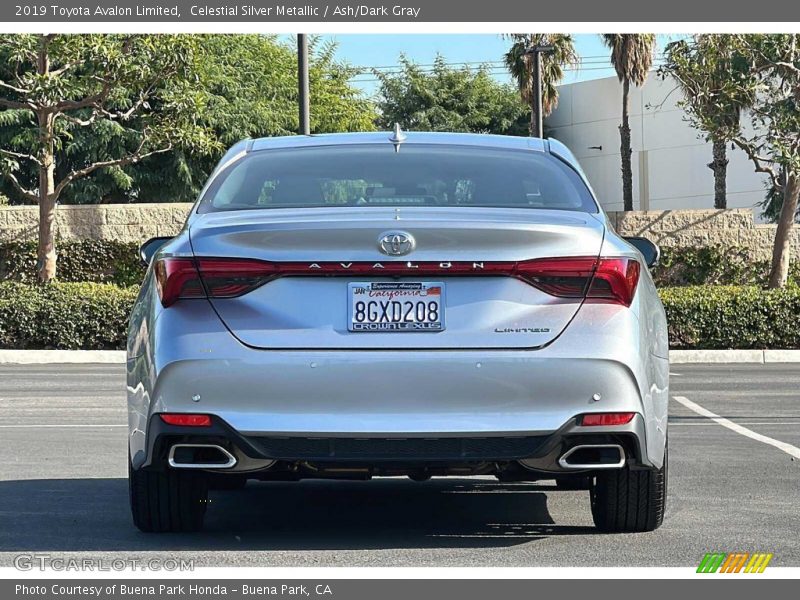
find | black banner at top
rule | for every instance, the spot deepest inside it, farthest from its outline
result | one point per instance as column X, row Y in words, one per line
column 409, row 11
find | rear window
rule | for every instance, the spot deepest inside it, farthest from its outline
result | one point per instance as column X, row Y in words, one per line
column 416, row 175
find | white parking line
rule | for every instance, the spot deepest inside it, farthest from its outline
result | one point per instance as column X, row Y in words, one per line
column 788, row 448
column 781, row 423
column 54, row 426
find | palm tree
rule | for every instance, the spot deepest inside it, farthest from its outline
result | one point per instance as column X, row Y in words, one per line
column 632, row 57
column 701, row 81
column 520, row 65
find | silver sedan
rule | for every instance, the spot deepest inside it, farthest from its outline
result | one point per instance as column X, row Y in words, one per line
column 384, row 304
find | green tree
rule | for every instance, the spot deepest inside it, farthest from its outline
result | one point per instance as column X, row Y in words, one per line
column 130, row 93
column 520, row 65
column 245, row 86
column 444, row 98
column 249, row 89
column 773, row 200
column 770, row 135
column 707, row 107
column 632, row 57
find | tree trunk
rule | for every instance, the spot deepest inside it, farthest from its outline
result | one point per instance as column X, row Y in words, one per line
column 719, row 165
column 625, row 149
column 532, row 125
column 781, row 251
column 46, row 254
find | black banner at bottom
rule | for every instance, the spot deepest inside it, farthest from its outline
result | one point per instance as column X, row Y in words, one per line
column 394, row 589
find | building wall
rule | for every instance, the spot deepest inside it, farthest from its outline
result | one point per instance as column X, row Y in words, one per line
column 121, row 222
column 669, row 159
column 139, row 222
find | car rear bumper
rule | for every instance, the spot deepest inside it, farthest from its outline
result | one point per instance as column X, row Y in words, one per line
column 542, row 453
column 396, row 393
column 467, row 396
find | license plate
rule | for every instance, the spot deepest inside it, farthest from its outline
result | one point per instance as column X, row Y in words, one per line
column 395, row 306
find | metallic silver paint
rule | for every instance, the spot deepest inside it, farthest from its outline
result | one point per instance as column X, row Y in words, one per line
column 260, row 379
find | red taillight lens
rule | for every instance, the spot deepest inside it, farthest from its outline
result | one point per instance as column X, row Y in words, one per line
column 231, row 277
column 177, row 278
column 622, row 418
column 614, row 281
column 607, row 280
column 186, row 420
column 562, row 277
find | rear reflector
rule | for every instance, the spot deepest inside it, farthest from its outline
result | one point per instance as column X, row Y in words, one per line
column 185, row 420
column 604, row 280
column 622, row 418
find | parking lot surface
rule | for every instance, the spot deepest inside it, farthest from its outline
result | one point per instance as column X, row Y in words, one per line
column 734, row 486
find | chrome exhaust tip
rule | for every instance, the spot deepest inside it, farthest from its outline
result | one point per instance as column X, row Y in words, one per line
column 593, row 456
column 200, row 456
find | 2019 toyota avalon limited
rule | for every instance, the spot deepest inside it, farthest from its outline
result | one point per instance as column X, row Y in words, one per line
column 358, row 305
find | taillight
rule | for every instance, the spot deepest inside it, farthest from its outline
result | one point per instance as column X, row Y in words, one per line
column 614, row 281
column 177, row 278
column 605, row 280
column 231, row 277
column 561, row 277
column 186, row 420
column 599, row 419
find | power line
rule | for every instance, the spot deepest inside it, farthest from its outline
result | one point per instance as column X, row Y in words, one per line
column 589, row 59
column 491, row 70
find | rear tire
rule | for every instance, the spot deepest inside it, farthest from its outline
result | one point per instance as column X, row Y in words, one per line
column 167, row 501
column 630, row 501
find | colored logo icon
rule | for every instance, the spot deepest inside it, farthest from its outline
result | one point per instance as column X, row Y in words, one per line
column 734, row 562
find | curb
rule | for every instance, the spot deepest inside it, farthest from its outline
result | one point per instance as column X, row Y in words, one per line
column 46, row 357
column 676, row 357
column 760, row 357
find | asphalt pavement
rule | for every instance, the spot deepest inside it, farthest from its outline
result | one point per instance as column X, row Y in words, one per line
column 63, row 489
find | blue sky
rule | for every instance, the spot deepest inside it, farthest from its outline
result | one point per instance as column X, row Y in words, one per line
column 383, row 50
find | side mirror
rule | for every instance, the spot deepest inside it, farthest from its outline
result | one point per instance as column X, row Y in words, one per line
column 148, row 250
column 650, row 250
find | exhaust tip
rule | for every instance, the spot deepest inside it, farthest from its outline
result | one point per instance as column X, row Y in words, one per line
column 593, row 456
column 200, row 456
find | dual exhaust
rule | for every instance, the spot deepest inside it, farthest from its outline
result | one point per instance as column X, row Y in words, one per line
column 577, row 458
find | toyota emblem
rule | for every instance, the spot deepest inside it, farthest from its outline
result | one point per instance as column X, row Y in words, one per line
column 396, row 243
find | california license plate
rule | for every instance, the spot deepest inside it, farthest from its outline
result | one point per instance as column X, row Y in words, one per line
column 396, row 306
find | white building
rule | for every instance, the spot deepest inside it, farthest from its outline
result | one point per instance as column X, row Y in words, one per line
column 670, row 158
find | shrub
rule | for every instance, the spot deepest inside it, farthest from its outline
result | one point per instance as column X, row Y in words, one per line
column 732, row 317
column 64, row 315
column 713, row 265
column 109, row 261
column 95, row 316
column 101, row 261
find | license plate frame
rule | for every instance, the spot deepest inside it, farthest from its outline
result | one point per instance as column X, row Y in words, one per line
column 387, row 320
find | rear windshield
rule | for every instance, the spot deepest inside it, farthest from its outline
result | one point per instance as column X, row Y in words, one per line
column 416, row 175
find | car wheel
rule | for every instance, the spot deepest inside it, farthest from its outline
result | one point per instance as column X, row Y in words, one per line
column 630, row 501
column 167, row 500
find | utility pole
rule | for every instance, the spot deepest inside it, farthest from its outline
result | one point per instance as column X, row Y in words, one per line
column 304, row 104
column 537, row 123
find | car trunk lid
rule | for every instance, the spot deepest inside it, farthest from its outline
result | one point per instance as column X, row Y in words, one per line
column 471, row 252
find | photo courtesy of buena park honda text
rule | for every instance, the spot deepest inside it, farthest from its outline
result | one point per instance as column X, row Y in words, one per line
column 411, row 300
